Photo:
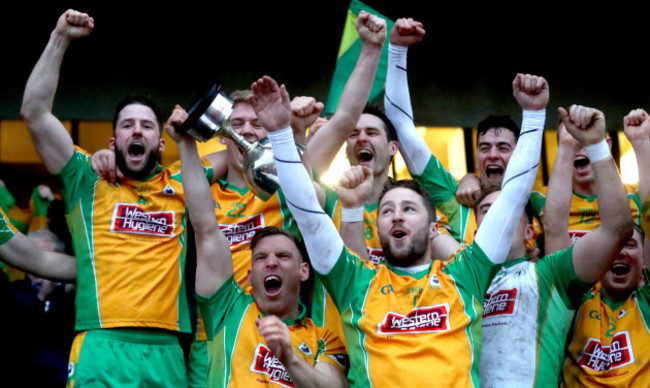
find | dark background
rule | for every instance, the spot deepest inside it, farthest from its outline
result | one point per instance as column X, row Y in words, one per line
column 591, row 55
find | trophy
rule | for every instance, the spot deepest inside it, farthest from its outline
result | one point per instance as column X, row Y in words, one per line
column 209, row 116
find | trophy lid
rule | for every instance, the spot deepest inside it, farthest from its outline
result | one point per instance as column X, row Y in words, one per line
column 207, row 114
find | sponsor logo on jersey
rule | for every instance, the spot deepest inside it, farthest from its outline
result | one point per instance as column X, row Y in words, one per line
column 169, row 190
column 430, row 319
column 305, row 349
column 601, row 358
column 242, row 232
column 501, row 303
column 130, row 218
column 264, row 362
column 376, row 255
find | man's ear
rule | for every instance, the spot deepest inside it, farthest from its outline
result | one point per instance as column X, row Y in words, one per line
column 111, row 143
column 393, row 148
column 304, row 272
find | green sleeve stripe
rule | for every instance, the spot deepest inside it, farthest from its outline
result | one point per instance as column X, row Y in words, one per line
column 439, row 182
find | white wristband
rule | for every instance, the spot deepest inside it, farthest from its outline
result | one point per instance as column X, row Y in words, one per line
column 598, row 151
column 354, row 214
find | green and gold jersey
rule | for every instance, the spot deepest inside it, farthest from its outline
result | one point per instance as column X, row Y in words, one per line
column 239, row 355
column 610, row 344
column 392, row 317
column 129, row 240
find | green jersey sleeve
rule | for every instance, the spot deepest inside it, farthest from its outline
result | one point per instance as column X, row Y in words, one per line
column 557, row 271
column 228, row 301
column 471, row 270
column 350, row 277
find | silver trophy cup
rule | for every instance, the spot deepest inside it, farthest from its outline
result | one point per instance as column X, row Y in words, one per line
column 209, row 116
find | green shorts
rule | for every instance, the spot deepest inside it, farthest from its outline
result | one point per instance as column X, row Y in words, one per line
column 126, row 358
column 197, row 365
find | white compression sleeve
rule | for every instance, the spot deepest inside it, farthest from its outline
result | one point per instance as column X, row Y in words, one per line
column 397, row 104
column 321, row 237
column 496, row 233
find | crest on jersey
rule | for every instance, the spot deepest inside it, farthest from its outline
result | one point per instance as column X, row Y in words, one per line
column 433, row 281
column 169, row 190
column 305, row 349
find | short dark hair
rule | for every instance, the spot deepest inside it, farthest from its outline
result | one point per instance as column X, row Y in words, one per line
column 490, row 188
column 415, row 186
column 389, row 128
column 131, row 100
column 498, row 121
column 273, row 231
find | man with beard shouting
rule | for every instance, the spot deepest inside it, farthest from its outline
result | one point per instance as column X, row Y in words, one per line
column 131, row 303
column 412, row 313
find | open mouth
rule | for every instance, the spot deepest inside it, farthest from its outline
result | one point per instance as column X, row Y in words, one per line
column 581, row 163
column 398, row 234
column 493, row 171
column 619, row 269
column 136, row 150
column 364, row 156
column 272, row 284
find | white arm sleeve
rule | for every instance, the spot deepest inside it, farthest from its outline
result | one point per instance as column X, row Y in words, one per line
column 322, row 240
column 397, row 104
column 496, row 233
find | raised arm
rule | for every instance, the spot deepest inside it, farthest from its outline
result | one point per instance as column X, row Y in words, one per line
column 213, row 258
column 496, row 233
column 594, row 252
column 353, row 189
column 558, row 199
column 637, row 131
column 324, row 145
column 397, row 100
column 305, row 111
column 271, row 103
column 50, row 137
column 19, row 251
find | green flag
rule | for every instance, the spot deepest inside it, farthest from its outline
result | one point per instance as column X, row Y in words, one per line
column 348, row 55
